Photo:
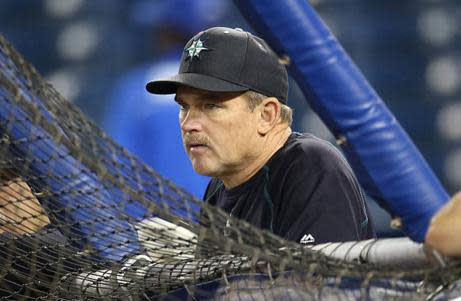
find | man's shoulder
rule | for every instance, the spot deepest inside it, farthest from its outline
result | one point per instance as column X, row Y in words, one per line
column 308, row 142
column 309, row 148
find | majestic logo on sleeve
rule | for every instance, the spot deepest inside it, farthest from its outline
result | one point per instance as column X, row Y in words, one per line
column 195, row 48
column 307, row 239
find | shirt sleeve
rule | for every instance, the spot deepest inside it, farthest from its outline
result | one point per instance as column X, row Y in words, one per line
column 322, row 200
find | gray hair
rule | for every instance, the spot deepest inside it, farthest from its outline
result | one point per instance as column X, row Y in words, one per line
column 255, row 99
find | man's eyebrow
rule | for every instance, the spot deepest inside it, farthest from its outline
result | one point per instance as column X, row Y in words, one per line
column 211, row 96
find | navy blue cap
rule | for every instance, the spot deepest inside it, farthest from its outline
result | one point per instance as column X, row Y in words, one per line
column 223, row 59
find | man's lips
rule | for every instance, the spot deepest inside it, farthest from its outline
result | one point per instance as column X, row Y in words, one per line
column 196, row 146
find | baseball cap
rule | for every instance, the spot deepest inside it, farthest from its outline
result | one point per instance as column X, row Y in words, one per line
column 222, row 59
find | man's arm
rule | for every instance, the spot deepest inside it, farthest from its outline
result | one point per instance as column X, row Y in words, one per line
column 444, row 230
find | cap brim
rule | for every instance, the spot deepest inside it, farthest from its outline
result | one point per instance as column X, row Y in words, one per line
column 194, row 80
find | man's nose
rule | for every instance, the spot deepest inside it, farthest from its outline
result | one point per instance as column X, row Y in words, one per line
column 191, row 121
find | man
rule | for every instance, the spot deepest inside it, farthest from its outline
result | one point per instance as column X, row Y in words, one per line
column 444, row 229
column 235, row 124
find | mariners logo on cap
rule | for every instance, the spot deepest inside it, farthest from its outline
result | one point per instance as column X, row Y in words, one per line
column 195, row 48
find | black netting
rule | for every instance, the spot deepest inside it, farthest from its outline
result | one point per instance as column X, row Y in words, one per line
column 83, row 219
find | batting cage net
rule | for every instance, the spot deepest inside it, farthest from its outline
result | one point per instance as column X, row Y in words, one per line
column 82, row 219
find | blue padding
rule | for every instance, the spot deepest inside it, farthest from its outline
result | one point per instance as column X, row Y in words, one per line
column 387, row 163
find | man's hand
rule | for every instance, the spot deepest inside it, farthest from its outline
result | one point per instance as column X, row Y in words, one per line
column 20, row 211
column 444, row 230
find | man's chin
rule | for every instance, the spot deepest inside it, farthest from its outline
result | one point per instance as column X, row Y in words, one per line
column 204, row 171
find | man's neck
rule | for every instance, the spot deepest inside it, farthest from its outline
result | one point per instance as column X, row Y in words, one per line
column 271, row 145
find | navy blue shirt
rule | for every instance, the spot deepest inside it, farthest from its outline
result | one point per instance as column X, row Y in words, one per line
column 306, row 193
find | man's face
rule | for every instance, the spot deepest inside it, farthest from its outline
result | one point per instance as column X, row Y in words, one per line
column 219, row 131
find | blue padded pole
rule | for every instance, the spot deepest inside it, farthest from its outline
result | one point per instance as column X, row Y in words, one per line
column 387, row 163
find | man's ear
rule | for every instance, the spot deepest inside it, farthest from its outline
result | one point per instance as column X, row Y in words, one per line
column 269, row 114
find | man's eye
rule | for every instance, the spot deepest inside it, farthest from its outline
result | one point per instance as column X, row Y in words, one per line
column 211, row 106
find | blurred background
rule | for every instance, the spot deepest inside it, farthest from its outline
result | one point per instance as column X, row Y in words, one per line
column 99, row 55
